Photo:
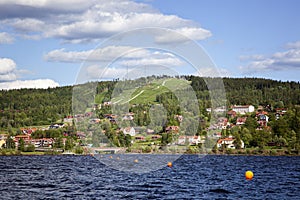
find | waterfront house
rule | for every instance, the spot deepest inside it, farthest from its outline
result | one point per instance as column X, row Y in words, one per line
column 191, row 140
column 228, row 142
column 3, row 138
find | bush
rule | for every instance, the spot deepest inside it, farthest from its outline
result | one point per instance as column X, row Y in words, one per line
column 229, row 151
column 79, row 150
column 30, row 148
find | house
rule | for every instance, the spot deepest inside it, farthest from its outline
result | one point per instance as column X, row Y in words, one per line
column 280, row 112
column 155, row 137
column 243, row 109
column 140, row 138
column 223, row 123
column 56, row 126
column 111, row 117
column 191, row 140
column 80, row 135
column 231, row 114
column 95, row 121
column 241, row 121
column 3, row 138
column 28, row 131
column 24, row 137
column 172, row 129
column 181, row 140
column 150, row 131
column 178, row 117
column 263, row 120
column 217, row 110
column 129, row 130
column 88, row 114
column 228, row 142
column 107, row 103
column 216, row 135
column 128, row 116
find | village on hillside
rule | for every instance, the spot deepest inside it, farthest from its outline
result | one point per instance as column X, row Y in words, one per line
column 227, row 133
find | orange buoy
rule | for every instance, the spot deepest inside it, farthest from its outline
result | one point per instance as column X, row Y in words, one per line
column 110, row 156
column 249, row 175
column 136, row 160
column 169, row 164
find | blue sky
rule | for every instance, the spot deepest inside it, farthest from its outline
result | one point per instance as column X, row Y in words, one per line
column 43, row 43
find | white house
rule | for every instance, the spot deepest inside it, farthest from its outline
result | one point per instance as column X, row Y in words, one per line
column 228, row 142
column 192, row 140
column 243, row 109
column 129, row 130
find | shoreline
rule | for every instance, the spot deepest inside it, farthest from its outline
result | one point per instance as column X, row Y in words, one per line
column 175, row 154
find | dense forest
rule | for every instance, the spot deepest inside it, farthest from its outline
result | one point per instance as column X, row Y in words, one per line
column 31, row 107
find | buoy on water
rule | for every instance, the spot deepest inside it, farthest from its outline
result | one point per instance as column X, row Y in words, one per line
column 169, row 164
column 136, row 160
column 111, row 157
column 249, row 175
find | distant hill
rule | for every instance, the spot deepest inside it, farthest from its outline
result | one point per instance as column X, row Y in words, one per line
column 27, row 107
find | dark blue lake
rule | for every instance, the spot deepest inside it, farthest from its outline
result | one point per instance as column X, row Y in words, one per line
column 191, row 177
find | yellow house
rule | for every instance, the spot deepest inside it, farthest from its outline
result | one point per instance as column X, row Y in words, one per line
column 2, row 139
column 2, row 142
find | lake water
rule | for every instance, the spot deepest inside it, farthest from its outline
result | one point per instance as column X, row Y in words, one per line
column 191, row 177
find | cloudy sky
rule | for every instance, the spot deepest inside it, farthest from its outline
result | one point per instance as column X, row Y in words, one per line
column 44, row 43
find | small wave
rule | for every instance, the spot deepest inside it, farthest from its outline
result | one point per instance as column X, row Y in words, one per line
column 219, row 190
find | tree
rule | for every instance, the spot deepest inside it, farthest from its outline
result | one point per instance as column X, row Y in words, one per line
column 10, row 144
column 251, row 124
column 128, row 140
column 69, row 144
column 164, row 139
column 58, row 143
column 21, row 146
column 237, row 142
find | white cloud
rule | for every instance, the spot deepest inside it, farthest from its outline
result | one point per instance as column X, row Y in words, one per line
column 183, row 34
column 162, row 61
column 212, row 72
column 96, row 72
column 127, row 55
column 284, row 60
column 18, row 84
column 108, row 53
column 251, row 57
column 7, row 69
column 82, row 21
column 67, row 5
column 293, row 45
column 5, row 38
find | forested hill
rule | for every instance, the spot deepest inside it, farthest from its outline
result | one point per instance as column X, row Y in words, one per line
column 27, row 107
column 256, row 91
